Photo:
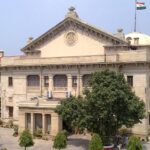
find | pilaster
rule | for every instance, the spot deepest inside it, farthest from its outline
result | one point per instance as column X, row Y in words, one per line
column 32, row 123
column 51, row 82
column 56, row 124
column 43, row 124
column 69, row 86
column 79, row 85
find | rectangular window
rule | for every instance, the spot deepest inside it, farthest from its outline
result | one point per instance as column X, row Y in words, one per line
column 46, row 81
column 10, row 81
column 33, row 81
column 10, row 110
column 74, row 81
column 28, row 121
column 130, row 80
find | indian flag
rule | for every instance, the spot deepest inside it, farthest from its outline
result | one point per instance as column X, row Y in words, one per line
column 140, row 5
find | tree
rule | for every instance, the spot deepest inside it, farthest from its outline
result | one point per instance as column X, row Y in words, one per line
column 60, row 141
column 134, row 143
column 25, row 139
column 96, row 143
column 73, row 113
column 110, row 104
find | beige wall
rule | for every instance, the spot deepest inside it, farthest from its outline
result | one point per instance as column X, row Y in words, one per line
column 140, row 85
column 85, row 45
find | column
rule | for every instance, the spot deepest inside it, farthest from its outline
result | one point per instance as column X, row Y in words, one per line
column 22, row 121
column 56, row 124
column 51, row 82
column 32, row 123
column 69, row 86
column 43, row 124
column 50, row 88
column 79, row 85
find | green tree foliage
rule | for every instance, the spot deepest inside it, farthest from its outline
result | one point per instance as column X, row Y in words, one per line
column 111, row 103
column 25, row 139
column 60, row 141
column 134, row 143
column 73, row 112
column 96, row 143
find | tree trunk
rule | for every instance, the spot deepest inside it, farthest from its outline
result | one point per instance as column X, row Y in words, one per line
column 25, row 148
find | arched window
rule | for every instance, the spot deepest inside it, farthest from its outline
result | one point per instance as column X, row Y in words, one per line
column 33, row 80
column 85, row 80
column 60, row 81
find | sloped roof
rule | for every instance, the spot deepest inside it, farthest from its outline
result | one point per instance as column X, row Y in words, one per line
column 76, row 21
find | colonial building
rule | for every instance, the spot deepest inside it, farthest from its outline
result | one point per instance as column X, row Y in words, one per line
column 59, row 63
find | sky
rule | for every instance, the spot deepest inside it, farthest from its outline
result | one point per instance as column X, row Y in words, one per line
column 21, row 19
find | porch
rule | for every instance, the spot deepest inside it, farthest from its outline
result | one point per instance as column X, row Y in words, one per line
column 39, row 115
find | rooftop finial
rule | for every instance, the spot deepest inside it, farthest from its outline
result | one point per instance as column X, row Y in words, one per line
column 71, row 8
column 72, row 13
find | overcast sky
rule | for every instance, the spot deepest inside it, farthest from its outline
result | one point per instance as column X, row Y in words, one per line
column 20, row 19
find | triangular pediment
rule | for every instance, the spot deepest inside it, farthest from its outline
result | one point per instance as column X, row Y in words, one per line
column 72, row 24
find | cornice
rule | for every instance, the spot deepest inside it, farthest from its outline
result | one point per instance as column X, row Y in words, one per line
column 80, row 65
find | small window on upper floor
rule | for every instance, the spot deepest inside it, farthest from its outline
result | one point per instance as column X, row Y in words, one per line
column 46, row 81
column 10, row 81
column 85, row 80
column 33, row 81
column 136, row 41
column 130, row 80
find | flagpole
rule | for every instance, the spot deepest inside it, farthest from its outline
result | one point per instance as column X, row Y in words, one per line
column 135, row 17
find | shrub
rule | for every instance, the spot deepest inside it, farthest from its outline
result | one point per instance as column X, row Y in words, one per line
column 38, row 133
column 65, row 133
column 60, row 141
column 3, row 149
column 96, row 143
column 25, row 139
column 134, row 144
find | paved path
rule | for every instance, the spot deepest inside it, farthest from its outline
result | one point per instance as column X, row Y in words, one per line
column 76, row 142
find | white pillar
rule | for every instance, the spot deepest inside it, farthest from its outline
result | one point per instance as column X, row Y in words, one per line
column 43, row 124
column 32, row 123
column 69, row 86
column 56, row 124
column 51, row 82
column 79, row 85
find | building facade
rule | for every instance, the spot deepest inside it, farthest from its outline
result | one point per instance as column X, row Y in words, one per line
column 59, row 63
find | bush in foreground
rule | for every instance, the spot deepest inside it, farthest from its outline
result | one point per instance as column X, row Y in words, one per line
column 134, row 143
column 60, row 141
column 96, row 143
column 26, row 139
